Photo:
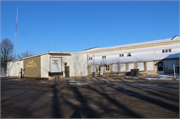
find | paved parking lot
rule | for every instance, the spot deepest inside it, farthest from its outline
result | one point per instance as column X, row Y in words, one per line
column 97, row 97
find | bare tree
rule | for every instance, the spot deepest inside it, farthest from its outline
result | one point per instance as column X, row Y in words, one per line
column 6, row 52
column 25, row 54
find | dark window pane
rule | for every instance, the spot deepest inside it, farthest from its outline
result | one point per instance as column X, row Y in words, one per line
column 160, row 68
column 119, row 55
column 122, row 55
column 166, row 50
column 169, row 50
column 162, row 51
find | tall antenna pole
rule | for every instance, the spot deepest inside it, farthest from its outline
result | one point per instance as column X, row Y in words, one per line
column 16, row 31
column 48, row 46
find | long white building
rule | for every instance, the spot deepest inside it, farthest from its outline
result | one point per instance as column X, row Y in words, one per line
column 152, row 57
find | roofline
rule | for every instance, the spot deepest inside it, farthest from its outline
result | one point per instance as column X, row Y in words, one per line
column 60, row 53
column 135, row 44
column 91, row 48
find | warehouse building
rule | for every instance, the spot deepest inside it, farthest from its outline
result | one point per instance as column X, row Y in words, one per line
column 46, row 65
column 152, row 57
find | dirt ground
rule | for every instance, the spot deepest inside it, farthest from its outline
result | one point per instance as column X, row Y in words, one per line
column 93, row 97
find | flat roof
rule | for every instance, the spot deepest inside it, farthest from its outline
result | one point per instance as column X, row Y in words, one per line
column 51, row 53
column 133, row 44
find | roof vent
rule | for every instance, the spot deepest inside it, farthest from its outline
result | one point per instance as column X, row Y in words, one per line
column 174, row 38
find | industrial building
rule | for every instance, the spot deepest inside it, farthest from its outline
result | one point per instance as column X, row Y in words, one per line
column 152, row 57
column 46, row 65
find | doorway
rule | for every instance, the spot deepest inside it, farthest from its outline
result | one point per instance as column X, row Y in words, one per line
column 160, row 67
column 66, row 71
column 101, row 70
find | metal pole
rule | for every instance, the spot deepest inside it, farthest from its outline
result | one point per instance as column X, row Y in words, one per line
column 16, row 32
column 174, row 71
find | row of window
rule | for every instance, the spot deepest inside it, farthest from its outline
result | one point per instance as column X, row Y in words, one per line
column 140, row 66
column 129, row 54
column 166, row 50
column 120, row 55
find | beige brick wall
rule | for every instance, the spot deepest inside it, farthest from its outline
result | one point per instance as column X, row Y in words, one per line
column 119, row 73
column 136, row 47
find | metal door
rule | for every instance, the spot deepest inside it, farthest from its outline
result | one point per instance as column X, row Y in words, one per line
column 66, row 71
column 160, row 67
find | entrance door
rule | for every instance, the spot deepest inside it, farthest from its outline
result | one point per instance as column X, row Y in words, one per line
column 66, row 71
column 101, row 70
column 160, row 67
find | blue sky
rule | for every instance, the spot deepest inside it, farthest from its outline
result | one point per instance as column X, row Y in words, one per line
column 77, row 25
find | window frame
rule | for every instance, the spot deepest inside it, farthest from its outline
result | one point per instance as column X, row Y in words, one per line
column 113, row 67
column 107, row 67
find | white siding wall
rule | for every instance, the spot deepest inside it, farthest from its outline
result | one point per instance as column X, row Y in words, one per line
column 44, row 65
column 21, row 64
column 143, row 53
column 158, row 51
column 13, row 68
column 175, row 50
column 77, row 62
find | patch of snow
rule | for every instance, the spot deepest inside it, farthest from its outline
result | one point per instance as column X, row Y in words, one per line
column 170, row 75
column 161, row 78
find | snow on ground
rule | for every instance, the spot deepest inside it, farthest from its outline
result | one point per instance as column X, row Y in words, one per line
column 170, row 75
column 161, row 78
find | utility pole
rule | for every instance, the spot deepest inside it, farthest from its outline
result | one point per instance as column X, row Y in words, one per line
column 16, row 32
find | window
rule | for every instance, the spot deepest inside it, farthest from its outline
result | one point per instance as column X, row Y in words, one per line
column 114, row 67
column 140, row 66
column 160, row 63
column 131, row 66
column 90, row 58
column 99, row 68
column 122, row 67
column 166, row 50
column 129, row 54
column 93, row 68
column 107, row 67
column 150, row 66
column 103, row 56
column 121, row 55
column 160, row 68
